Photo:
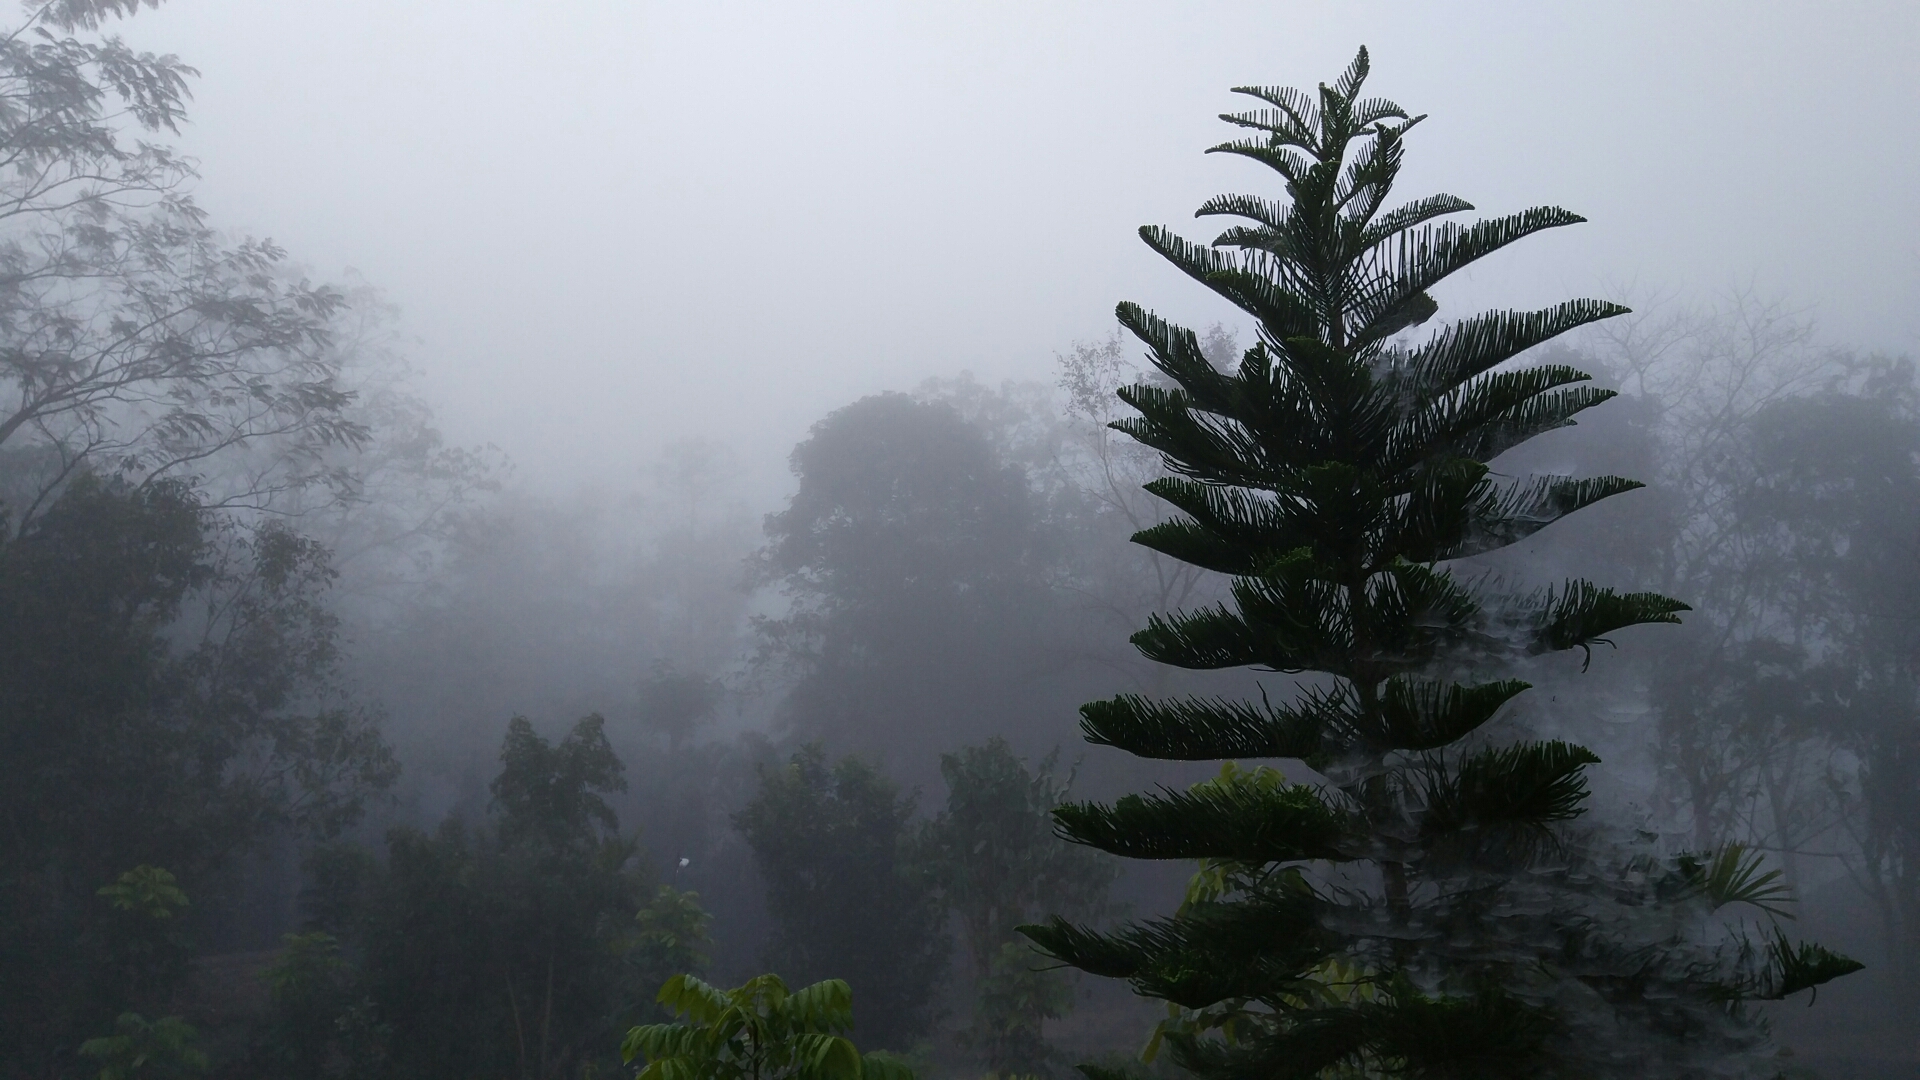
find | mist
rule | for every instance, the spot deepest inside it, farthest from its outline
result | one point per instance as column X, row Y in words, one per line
column 614, row 225
column 659, row 486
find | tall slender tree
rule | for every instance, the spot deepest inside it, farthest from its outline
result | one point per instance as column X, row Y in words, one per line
column 1430, row 909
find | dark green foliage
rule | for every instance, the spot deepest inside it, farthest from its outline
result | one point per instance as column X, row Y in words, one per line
column 848, row 897
column 496, row 954
column 1803, row 966
column 1240, row 823
column 142, row 1049
column 1428, row 909
column 318, row 1025
column 670, row 934
column 509, row 950
column 553, row 797
column 999, row 864
column 166, row 700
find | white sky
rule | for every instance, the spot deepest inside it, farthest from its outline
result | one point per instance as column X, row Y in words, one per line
column 616, row 223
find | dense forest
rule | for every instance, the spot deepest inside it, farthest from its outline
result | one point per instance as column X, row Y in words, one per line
column 1231, row 694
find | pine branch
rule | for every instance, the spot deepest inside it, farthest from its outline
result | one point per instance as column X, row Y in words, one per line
column 1243, row 823
column 1805, row 966
column 1415, row 612
column 1528, row 784
column 1208, row 953
column 1476, row 345
column 1425, row 257
column 1467, row 421
column 1542, row 414
column 1579, row 614
column 1418, row 714
column 1413, row 214
column 1436, row 515
column 1271, row 213
column 1508, row 515
column 1213, row 729
column 1206, row 640
column 1281, row 310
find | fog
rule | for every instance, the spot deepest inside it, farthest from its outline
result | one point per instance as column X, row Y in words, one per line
column 615, row 224
column 671, row 471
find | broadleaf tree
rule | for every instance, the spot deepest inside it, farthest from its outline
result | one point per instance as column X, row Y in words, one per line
column 849, row 897
column 170, row 696
column 134, row 339
column 998, row 864
column 1430, row 908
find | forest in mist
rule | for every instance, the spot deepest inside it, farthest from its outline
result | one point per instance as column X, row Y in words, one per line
column 334, row 745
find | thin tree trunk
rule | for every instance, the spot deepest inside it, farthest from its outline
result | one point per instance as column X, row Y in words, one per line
column 519, row 1034
column 546, row 1017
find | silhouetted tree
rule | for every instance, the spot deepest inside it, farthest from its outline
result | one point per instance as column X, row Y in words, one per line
column 915, row 564
column 1816, row 711
column 502, row 952
column 675, row 703
column 167, row 699
column 519, row 948
column 998, row 863
column 849, row 899
column 1428, row 911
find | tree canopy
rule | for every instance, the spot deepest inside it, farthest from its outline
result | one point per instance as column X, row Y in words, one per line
column 169, row 697
column 134, row 339
column 849, row 899
column 914, row 561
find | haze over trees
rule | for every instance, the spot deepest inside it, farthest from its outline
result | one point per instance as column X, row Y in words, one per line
column 331, row 749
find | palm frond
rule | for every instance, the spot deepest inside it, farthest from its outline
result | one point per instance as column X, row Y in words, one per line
column 1734, row 875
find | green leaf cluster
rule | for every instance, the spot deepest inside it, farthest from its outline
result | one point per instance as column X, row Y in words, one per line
column 142, row 1049
column 1427, row 906
column 756, row 1031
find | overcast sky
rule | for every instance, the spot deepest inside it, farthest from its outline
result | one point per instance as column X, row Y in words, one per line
column 614, row 223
